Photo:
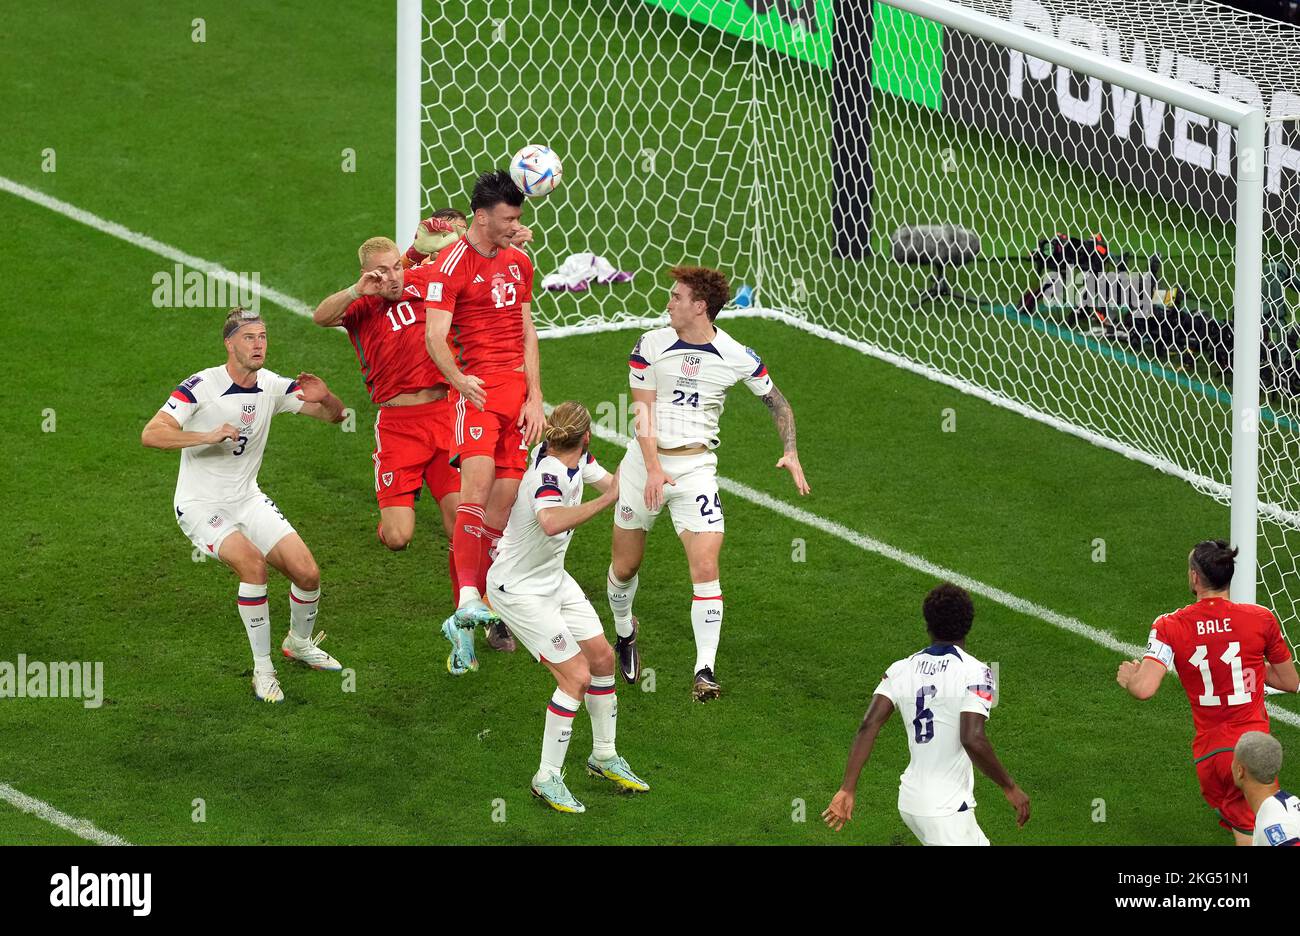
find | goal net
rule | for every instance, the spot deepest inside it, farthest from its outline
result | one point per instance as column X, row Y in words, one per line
column 1028, row 226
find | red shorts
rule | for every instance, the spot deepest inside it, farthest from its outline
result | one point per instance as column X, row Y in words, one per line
column 494, row 429
column 412, row 448
column 1215, row 776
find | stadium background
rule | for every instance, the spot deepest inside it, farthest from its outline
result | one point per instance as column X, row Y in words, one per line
column 230, row 150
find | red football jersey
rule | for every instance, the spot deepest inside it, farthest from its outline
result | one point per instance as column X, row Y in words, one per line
column 485, row 296
column 389, row 339
column 1218, row 648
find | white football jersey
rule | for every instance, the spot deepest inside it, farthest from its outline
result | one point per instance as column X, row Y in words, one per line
column 528, row 561
column 1278, row 820
column 226, row 471
column 691, row 382
column 931, row 689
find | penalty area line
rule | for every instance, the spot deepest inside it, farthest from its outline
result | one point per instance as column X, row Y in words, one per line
column 83, row 828
column 789, row 511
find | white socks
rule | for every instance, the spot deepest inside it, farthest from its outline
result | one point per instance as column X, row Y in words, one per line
column 706, row 621
column 302, row 610
column 256, row 616
column 602, row 706
column 620, row 596
column 555, row 739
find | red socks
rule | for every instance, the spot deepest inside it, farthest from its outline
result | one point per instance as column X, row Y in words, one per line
column 467, row 546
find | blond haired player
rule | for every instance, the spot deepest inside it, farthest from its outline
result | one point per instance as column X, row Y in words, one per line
column 680, row 375
column 547, row 610
column 220, row 418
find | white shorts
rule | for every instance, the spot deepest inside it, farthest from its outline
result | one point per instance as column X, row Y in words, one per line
column 693, row 501
column 550, row 626
column 960, row 828
column 256, row 516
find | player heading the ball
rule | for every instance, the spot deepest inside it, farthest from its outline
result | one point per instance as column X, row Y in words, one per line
column 547, row 609
column 679, row 377
column 944, row 696
column 1225, row 654
column 220, row 418
column 478, row 290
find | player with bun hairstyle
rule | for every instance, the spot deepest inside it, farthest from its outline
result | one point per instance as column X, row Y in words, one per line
column 1225, row 653
column 548, row 611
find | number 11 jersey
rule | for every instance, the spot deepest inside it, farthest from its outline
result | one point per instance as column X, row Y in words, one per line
column 1218, row 648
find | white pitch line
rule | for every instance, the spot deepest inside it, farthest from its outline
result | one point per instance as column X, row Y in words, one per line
column 799, row 515
column 113, row 229
column 83, row 828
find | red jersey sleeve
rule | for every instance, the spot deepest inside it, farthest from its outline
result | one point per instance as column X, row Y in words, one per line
column 1276, row 649
column 358, row 309
column 1159, row 644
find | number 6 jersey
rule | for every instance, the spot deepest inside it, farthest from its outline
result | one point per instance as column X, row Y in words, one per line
column 1218, row 648
column 930, row 690
column 226, row 471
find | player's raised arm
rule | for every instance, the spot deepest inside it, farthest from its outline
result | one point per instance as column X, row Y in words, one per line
column 433, row 234
column 555, row 520
column 164, row 432
column 783, row 417
column 330, row 312
column 318, row 402
column 840, row 810
column 531, row 418
column 980, row 750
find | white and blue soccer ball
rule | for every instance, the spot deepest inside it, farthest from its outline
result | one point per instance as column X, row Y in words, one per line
column 536, row 170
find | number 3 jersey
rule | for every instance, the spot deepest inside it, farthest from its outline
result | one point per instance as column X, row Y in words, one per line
column 1218, row 648
column 930, row 690
column 691, row 382
column 226, row 471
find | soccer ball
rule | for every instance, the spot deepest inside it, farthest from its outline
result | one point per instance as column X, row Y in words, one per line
column 536, row 170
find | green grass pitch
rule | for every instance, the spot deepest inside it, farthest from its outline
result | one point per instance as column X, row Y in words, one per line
column 231, row 150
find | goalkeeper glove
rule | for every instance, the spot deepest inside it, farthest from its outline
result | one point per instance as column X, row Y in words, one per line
column 431, row 236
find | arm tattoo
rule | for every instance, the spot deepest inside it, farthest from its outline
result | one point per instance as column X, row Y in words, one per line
column 783, row 416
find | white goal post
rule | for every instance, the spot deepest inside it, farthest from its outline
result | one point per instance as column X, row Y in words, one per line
column 1248, row 253
column 741, row 82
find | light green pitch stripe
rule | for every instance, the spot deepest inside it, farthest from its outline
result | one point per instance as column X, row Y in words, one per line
column 1217, row 394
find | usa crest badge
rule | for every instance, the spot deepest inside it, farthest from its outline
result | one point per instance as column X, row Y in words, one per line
column 558, row 642
column 248, row 414
column 690, row 365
